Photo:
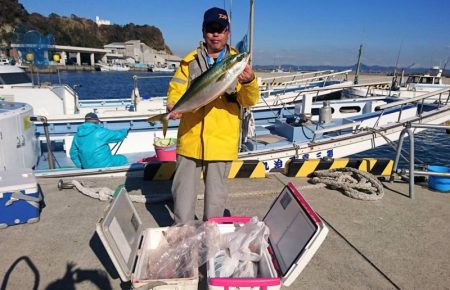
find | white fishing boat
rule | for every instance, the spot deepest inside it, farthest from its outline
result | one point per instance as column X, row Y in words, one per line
column 114, row 67
column 311, row 131
column 60, row 101
column 61, row 105
column 413, row 86
column 288, row 89
column 162, row 68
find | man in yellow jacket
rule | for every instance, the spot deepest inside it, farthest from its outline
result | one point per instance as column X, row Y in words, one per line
column 208, row 139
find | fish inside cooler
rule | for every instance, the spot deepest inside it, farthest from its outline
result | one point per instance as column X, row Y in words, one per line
column 156, row 261
column 245, row 261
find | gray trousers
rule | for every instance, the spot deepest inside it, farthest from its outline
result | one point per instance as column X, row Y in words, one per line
column 185, row 187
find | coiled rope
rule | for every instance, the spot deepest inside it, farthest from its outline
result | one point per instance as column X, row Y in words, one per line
column 352, row 182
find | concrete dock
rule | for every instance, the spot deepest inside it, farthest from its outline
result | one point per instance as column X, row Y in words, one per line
column 393, row 243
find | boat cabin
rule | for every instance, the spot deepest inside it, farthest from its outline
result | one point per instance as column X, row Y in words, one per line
column 434, row 77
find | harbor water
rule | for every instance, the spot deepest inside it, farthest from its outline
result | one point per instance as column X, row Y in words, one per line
column 432, row 147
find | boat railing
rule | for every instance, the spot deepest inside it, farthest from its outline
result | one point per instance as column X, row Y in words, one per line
column 332, row 87
column 419, row 99
column 71, row 90
column 320, row 77
column 105, row 102
column 283, row 86
column 353, row 125
column 135, row 96
column 295, row 76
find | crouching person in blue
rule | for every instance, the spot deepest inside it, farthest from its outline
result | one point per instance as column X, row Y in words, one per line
column 90, row 147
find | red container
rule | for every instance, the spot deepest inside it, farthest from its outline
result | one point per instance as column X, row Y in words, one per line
column 166, row 149
column 168, row 153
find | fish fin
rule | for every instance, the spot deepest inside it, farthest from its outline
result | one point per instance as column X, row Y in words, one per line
column 222, row 77
column 156, row 118
column 163, row 118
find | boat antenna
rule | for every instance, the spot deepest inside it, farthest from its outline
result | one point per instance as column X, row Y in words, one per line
column 394, row 84
column 229, row 18
column 250, row 44
column 445, row 64
column 231, row 9
column 358, row 64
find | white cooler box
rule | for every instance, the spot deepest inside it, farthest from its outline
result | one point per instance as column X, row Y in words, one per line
column 19, row 197
column 296, row 233
column 126, row 241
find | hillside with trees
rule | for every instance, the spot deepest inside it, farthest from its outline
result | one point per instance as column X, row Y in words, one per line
column 73, row 30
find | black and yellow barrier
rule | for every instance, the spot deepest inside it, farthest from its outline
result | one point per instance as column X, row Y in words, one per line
column 239, row 169
column 247, row 169
column 304, row 168
column 159, row 170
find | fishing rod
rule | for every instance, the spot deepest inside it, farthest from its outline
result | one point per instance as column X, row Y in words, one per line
column 120, row 143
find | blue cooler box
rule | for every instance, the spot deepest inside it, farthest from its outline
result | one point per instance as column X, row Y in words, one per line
column 19, row 198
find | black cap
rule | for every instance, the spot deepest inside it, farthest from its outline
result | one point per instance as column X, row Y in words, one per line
column 91, row 117
column 216, row 15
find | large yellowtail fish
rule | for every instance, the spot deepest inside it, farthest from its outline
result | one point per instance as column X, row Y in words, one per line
column 207, row 87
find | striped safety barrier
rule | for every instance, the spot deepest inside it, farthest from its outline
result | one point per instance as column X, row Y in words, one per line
column 247, row 169
column 239, row 169
column 304, row 168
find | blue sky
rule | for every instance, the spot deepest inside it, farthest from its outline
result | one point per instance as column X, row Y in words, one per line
column 298, row 32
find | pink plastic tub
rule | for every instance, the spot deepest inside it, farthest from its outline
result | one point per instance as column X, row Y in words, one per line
column 166, row 149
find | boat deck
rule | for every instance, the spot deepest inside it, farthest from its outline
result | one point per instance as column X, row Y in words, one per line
column 393, row 243
column 63, row 162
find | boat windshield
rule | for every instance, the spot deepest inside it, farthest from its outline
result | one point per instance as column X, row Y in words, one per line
column 426, row 80
column 14, row 78
column 413, row 79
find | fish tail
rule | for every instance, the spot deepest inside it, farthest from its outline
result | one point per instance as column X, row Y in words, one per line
column 163, row 118
column 165, row 124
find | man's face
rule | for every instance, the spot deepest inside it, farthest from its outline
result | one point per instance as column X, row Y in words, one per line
column 216, row 36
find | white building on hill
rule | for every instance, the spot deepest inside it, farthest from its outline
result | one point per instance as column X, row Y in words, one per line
column 141, row 53
column 101, row 21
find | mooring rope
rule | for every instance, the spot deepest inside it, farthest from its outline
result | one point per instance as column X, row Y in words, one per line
column 392, row 144
column 106, row 194
column 353, row 182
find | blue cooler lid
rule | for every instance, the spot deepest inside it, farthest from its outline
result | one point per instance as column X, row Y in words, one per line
column 120, row 231
column 296, row 233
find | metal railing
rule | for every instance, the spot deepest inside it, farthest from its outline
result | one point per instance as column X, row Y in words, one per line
column 412, row 172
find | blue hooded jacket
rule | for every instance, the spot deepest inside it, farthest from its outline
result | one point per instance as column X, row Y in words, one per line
column 90, row 147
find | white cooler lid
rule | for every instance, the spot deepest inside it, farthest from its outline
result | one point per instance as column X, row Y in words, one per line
column 17, row 179
column 296, row 232
column 120, row 232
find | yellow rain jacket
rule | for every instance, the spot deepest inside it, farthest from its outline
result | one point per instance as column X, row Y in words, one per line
column 212, row 132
